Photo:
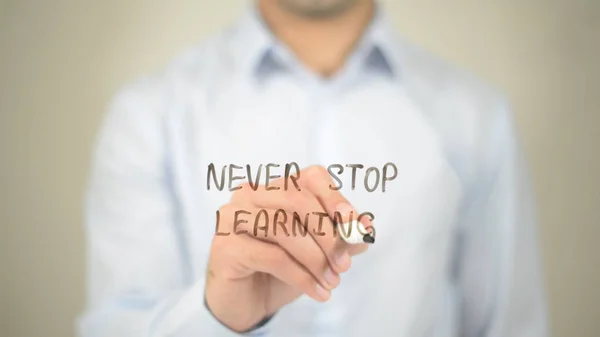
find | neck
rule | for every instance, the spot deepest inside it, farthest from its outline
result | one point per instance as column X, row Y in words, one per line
column 323, row 44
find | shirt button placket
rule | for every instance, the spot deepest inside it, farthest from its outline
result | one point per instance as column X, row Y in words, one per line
column 322, row 148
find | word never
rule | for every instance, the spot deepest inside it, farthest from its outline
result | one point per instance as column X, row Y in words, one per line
column 381, row 176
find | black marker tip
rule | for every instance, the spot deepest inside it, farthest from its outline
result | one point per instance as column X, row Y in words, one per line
column 368, row 238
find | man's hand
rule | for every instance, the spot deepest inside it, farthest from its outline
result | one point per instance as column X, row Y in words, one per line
column 250, row 277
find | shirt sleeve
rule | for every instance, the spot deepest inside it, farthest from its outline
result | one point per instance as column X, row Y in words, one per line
column 137, row 269
column 499, row 269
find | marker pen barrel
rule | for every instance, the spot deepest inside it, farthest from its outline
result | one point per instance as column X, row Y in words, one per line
column 354, row 232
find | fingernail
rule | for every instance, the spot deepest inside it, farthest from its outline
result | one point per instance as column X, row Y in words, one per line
column 344, row 209
column 331, row 278
column 343, row 260
column 323, row 293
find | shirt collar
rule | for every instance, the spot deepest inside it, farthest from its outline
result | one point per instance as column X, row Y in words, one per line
column 254, row 46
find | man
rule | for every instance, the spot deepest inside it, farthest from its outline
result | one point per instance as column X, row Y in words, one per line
column 316, row 83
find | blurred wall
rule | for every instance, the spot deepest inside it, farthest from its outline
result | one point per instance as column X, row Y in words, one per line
column 61, row 60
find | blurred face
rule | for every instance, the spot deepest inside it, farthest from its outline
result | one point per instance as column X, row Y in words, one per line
column 317, row 8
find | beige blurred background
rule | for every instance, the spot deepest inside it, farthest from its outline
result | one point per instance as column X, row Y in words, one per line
column 61, row 61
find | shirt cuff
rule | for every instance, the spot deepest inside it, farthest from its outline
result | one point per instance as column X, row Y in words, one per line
column 260, row 329
column 188, row 315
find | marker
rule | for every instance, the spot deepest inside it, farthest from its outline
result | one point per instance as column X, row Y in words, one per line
column 354, row 233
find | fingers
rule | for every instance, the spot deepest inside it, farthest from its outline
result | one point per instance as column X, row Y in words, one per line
column 314, row 179
column 317, row 197
column 318, row 181
column 272, row 259
column 303, row 248
column 310, row 212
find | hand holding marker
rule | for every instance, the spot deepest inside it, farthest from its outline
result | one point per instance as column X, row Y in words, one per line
column 261, row 275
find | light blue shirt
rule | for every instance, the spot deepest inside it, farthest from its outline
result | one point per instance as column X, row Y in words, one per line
column 456, row 251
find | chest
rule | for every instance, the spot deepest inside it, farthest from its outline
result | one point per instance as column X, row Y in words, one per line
column 369, row 135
